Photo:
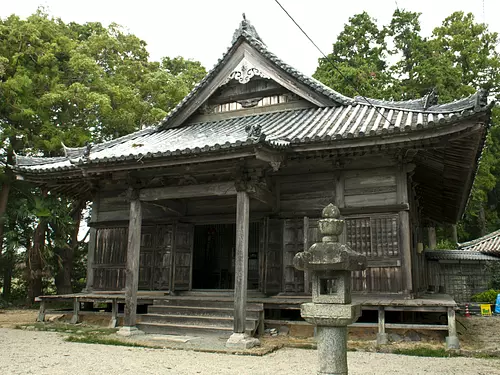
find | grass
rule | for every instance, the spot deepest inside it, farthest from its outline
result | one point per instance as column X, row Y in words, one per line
column 423, row 351
column 90, row 339
column 78, row 329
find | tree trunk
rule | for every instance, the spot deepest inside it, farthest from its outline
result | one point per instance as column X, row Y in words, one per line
column 8, row 264
column 66, row 255
column 481, row 221
column 35, row 263
column 4, row 195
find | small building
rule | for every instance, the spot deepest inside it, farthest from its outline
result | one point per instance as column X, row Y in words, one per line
column 222, row 194
column 464, row 272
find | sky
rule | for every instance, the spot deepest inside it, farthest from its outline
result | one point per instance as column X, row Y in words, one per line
column 203, row 29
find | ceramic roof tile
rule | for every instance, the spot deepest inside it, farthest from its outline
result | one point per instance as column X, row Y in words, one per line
column 285, row 128
column 489, row 244
column 458, row 255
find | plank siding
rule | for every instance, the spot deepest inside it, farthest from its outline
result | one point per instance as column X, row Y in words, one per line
column 110, row 257
column 293, row 242
column 375, row 187
column 299, row 195
column 272, row 243
column 376, row 236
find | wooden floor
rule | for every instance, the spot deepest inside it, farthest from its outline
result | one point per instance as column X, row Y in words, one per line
column 426, row 302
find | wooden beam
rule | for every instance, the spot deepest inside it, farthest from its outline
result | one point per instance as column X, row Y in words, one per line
column 275, row 159
column 188, row 191
column 177, row 207
column 241, row 261
column 262, row 195
column 132, row 270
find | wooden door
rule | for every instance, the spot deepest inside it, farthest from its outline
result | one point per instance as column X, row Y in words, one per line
column 183, row 256
column 162, row 265
column 293, row 242
column 146, row 257
column 272, row 244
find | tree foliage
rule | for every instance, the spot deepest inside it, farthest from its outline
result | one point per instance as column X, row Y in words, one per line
column 396, row 61
column 70, row 83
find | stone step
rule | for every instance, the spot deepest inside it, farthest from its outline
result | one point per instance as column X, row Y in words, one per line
column 190, row 330
column 194, row 320
column 200, row 310
column 204, row 302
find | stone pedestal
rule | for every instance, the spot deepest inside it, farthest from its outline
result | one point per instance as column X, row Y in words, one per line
column 382, row 338
column 241, row 341
column 332, row 350
column 129, row 331
column 331, row 310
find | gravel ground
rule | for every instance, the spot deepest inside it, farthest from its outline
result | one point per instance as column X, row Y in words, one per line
column 35, row 352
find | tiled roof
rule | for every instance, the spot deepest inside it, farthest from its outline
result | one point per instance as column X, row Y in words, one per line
column 489, row 244
column 285, row 128
column 248, row 33
column 346, row 118
column 458, row 255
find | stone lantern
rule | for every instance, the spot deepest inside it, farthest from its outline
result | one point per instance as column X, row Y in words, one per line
column 330, row 264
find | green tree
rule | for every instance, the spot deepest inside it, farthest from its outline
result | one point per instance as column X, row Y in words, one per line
column 459, row 58
column 359, row 55
column 73, row 83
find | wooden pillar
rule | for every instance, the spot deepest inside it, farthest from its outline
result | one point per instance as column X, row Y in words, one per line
column 454, row 234
column 404, row 232
column 241, row 261
column 132, row 270
column 92, row 245
column 42, row 311
column 431, row 231
column 382, row 338
column 307, row 276
column 76, row 311
column 114, row 313
column 90, row 260
column 340, row 199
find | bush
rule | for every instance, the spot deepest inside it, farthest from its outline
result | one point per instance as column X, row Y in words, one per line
column 488, row 296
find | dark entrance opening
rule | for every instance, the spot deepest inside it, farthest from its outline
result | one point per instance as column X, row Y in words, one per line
column 213, row 256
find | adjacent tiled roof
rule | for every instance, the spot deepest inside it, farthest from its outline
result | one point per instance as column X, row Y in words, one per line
column 283, row 128
column 428, row 103
column 489, row 244
column 458, row 255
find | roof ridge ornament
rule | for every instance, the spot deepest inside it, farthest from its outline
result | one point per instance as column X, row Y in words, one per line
column 254, row 133
column 431, row 98
column 246, row 29
column 244, row 72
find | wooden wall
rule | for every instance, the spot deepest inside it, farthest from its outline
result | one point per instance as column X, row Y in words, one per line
column 110, row 257
column 376, row 234
column 370, row 187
